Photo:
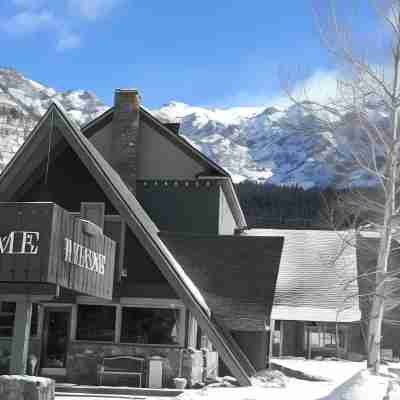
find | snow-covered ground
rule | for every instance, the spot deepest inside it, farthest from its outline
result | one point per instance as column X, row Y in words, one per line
column 347, row 381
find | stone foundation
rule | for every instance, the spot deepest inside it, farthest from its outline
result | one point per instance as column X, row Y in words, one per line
column 84, row 359
column 23, row 387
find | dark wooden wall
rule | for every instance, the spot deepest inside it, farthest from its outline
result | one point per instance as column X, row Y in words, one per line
column 68, row 184
column 144, row 279
column 175, row 207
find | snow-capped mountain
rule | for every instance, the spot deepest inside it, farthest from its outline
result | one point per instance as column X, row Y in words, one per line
column 253, row 143
column 265, row 144
column 24, row 101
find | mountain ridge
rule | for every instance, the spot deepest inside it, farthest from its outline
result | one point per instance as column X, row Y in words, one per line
column 254, row 143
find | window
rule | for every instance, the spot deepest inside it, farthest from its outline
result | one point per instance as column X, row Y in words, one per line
column 7, row 316
column 150, row 325
column 276, row 338
column 35, row 320
column 322, row 335
column 96, row 323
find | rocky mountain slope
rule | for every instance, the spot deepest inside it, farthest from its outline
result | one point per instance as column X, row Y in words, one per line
column 24, row 101
column 251, row 143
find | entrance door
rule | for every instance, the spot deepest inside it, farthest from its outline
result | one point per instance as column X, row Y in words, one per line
column 55, row 340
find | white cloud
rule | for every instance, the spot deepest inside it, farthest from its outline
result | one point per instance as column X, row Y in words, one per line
column 68, row 40
column 32, row 16
column 320, row 86
column 91, row 9
column 27, row 22
column 30, row 22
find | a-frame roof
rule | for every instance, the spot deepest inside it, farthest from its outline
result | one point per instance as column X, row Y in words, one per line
column 93, row 126
column 35, row 150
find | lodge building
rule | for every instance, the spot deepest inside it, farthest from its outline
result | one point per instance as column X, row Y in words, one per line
column 120, row 239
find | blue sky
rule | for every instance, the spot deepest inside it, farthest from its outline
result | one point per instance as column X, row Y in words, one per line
column 207, row 53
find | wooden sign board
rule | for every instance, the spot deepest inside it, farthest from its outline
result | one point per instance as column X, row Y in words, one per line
column 43, row 243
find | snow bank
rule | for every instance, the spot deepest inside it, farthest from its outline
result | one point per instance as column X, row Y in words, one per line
column 362, row 386
column 347, row 381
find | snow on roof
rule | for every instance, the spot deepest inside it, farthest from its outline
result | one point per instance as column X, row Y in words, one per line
column 317, row 276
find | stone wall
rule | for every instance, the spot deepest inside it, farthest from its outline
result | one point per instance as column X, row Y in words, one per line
column 22, row 387
column 84, row 359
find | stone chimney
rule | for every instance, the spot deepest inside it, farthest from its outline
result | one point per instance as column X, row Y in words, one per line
column 125, row 131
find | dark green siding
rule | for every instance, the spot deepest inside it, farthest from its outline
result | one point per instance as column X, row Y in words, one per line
column 179, row 208
column 143, row 279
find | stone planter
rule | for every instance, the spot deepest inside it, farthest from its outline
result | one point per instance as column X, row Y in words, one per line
column 24, row 387
column 180, row 383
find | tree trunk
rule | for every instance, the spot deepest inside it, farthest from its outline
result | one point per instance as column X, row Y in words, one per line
column 378, row 303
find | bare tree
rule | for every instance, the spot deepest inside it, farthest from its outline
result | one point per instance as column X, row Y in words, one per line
column 366, row 112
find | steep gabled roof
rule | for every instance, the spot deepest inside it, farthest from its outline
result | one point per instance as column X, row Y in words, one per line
column 235, row 274
column 317, row 276
column 35, row 151
column 215, row 170
column 92, row 127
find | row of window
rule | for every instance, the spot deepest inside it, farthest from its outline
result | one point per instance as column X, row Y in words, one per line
column 323, row 335
column 138, row 325
column 98, row 323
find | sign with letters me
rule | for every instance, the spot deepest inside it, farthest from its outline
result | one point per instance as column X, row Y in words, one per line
column 20, row 242
column 43, row 243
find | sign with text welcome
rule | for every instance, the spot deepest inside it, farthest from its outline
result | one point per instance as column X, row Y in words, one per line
column 43, row 243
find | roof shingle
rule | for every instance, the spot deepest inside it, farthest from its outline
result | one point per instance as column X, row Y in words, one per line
column 316, row 280
column 235, row 274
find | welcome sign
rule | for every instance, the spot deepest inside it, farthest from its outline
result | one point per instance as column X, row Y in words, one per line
column 84, row 257
column 20, row 242
column 43, row 243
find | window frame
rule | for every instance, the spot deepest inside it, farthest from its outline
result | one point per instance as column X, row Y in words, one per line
column 157, row 305
column 135, row 302
column 39, row 321
column 74, row 321
column 323, row 330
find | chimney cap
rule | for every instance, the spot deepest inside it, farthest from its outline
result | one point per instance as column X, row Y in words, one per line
column 119, row 90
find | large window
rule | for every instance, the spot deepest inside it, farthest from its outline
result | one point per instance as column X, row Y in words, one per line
column 7, row 316
column 96, row 323
column 150, row 325
column 324, row 335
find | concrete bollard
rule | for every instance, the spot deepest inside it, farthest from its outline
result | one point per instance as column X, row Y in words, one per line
column 24, row 387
